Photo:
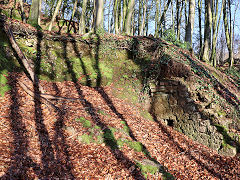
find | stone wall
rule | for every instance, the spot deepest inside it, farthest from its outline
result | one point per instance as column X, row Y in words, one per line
column 173, row 105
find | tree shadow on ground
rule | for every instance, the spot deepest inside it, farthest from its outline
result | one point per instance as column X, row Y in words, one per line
column 59, row 166
column 21, row 162
column 213, row 164
column 108, row 136
column 145, row 67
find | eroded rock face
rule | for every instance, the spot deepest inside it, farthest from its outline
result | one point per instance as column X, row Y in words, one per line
column 173, row 105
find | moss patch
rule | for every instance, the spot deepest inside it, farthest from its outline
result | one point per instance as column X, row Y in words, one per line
column 86, row 123
column 85, row 138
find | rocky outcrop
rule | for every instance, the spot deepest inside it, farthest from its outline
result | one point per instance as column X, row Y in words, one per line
column 174, row 105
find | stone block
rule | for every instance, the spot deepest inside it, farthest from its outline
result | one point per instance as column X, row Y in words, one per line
column 228, row 151
column 183, row 94
column 189, row 108
column 195, row 116
column 172, row 100
column 202, row 129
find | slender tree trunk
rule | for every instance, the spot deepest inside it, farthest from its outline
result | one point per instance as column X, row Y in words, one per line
column 93, row 16
column 143, row 17
column 22, row 11
column 119, row 16
column 177, row 18
column 55, row 14
column 172, row 17
column 116, row 16
column 51, row 8
column 124, row 12
column 163, row 17
column 207, row 31
column 157, row 25
column 99, row 15
column 82, row 27
column 133, row 29
column 109, row 8
column 112, row 22
column 147, row 18
column 185, row 11
column 200, row 25
column 190, row 23
column 73, row 13
column 216, row 23
column 130, row 9
column 139, row 16
column 234, row 20
column 40, row 12
column 227, row 33
column 34, row 13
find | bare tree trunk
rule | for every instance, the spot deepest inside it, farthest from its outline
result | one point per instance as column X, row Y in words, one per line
column 162, row 19
column 119, row 16
column 99, row 15
column 190, row 23
column 228, row 34
column 22, row 11
column 207, row 31
column 82, row 28
column 55, row 14
column 234, row 20
column 143, row 17
column 127, row 25
column 124, row 11
column 139, row 15
column 116, row 16
column 34, row 13
column 157, row 24
column 200, row 25
column 216, row 23
column 40, row 11
column 147, row 19
column 109, row 8
column 133, row 29
column 179, row 17
column 172, row 17
column 73, row 13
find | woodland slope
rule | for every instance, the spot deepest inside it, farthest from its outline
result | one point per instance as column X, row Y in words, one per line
column 107, row 106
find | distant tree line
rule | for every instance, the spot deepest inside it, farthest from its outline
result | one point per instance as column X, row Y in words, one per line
column 180, row 18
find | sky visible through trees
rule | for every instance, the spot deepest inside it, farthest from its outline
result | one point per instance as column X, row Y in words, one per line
column 148, row 18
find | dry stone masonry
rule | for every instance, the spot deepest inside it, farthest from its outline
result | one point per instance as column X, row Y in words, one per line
column 172, row 104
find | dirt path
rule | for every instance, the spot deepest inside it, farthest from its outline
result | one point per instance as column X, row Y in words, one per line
column 97, row 136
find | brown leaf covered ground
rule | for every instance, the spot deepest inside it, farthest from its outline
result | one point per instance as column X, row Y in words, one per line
column 39, row 140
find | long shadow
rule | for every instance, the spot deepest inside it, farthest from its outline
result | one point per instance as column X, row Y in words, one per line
column 20, row 161
column 105, row 96
column 59, row 166
column 88, row 79
column 143, row 64
column 65, row 165
column 108, row 136
column 46, row 148
column 217, row 161
column 204, row 155
column 99, row 75
column 109, row 102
